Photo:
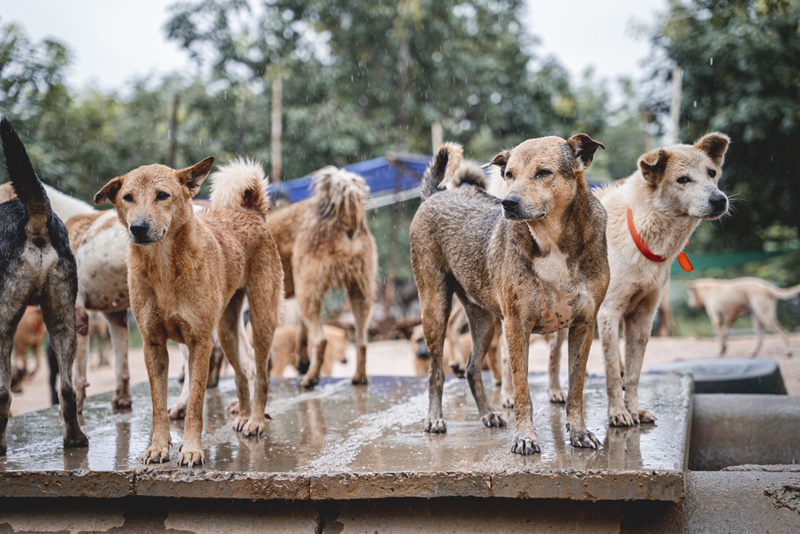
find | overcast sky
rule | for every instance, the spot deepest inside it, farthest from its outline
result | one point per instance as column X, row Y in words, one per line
column 112, row 41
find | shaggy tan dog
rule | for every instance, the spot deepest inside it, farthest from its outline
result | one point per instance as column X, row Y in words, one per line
column 324, row 242
column 189, row 273
column 727, row 300
column 284, row 348
column 29, row 336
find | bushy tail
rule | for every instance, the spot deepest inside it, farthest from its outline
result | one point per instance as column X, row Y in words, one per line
column 339, row 196
column 444, row 163
column 26, row 184
column 786, row 293
column 240, row 184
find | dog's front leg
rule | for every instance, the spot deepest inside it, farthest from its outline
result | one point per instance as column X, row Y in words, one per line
column 637, row 334
column 6, row 346
column 580, row 341
column 156, row 359
column 608, row 322
column 517, row 336
column 191, row 452
column 79, row 370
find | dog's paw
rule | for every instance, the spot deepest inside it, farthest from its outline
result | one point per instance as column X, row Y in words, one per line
column 178, row 411
column 233, row 407
column 508, row 402
column 458, row 370
column 122, row 402
column 557, row 396
column 309, row 381
column 619, row 417
column 437, row 426
column 156, row 455
column 525, row 444
column 191, row 457
column 493, row 419
column 239, row 423
column 360, row 380
column 583, row 439
column 255, row 427
column 642, row 416
column 76, row 440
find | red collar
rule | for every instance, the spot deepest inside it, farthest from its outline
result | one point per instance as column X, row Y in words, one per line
column 683, row 259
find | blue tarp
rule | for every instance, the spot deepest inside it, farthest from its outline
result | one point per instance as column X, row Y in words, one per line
column 384, row 175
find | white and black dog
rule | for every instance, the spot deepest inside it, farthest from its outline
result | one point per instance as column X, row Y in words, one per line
column 36, row 268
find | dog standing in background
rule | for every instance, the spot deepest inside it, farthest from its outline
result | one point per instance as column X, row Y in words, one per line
column 324, row 241
column 727, row 300
column 36, row 268
column 536, row 259
column 190, row 272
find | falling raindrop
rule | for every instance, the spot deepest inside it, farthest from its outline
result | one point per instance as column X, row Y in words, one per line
column 711, row 62
column 695, row 103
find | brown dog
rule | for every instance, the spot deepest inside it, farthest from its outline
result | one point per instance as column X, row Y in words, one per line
column 537, row 260
column 188, row 273
column 325, row 242
column 284, row 348
column 30, row 334
column 727, row 300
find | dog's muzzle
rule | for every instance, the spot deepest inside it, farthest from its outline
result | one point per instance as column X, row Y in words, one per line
column 142, row 233
column 422, row 350
column 514, row 210
column 717, row 205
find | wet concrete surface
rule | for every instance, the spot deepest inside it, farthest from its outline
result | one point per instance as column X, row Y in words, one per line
column 345, row 442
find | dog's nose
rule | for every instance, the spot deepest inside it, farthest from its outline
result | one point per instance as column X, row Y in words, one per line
column 718, row 201
column 510, row 202
column 139, row 229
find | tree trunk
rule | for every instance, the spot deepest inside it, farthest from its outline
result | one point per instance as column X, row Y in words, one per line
column 277, row 128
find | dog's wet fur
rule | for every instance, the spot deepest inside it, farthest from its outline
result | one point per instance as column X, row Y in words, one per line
column 536, row 259
column 36, row 268
column 188, row 273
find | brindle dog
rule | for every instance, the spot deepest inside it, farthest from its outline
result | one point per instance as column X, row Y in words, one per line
column 536, row 259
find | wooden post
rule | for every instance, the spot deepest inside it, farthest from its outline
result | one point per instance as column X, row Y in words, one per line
column 173, row 132
column 277, row 128
column 437, row 136
column 675, row 107
column 242, row 123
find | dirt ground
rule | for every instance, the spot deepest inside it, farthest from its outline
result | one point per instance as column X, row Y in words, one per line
column 396, row 358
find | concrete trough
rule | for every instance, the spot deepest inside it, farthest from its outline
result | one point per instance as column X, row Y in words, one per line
column 340, row 442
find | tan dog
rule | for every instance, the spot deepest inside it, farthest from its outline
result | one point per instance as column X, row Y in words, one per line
column 727, row 300
column 325, row 242
column 422, row 358
column 284, row 348
column 189, row 273
column 537, row 260
column 29, row 336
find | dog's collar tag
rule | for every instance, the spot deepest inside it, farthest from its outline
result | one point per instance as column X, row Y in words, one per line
column 683, row 259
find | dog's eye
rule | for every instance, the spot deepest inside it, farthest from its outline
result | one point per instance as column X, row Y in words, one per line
column 544, row 173
column 161, row 195
column 712, row 173
column 509, row 175
column 128, row 198
column 683, row 180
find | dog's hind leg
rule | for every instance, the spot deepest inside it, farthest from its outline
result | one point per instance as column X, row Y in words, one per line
column 455, row 324
column 227, row 330
column 759, row 334
column 310, row 309
column 118, row 330
column 81, row 382
column 59, row 316
column 264, row 293
column 435, row 306
column 554, row 390
column 578, row 345
column 481, row 328
column 8, row 325
column 764, row 310
column 178, row 410
column 361, row 305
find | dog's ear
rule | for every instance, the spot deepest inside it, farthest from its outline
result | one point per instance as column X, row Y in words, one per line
column 583, row 148
column 501, row 160
column 715, row 145
column 192, row 177
column 653, row 165
column 109, row 191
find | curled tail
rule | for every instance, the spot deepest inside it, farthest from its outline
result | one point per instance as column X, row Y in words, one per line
column 240, row 184
column 27, row 186
column 444, row 163
column 786, row 293
column 339, row 196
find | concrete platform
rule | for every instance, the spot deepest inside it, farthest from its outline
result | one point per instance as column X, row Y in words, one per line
column 341, row 442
